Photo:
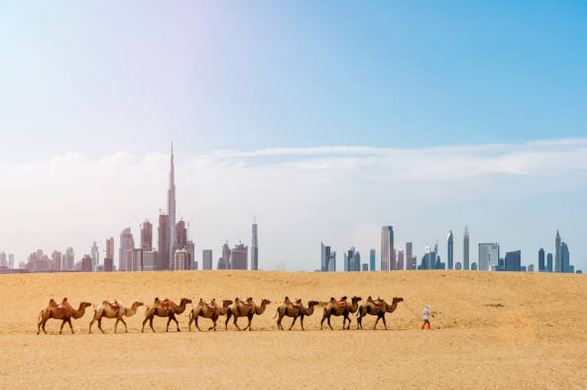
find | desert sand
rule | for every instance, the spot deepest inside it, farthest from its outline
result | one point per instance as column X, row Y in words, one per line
column 491, row 330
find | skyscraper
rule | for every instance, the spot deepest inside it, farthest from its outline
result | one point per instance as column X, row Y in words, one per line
column 95, row 254
column 450, row 250
column 127, row 244
column 466, row 249
column 541, row 262
column 558, row 259
column 147, row 236
column 11, row 261
column 254, row 249
column 372, row 256
column 488, row 256
column 513, row 261
column 387, row 249
column 565, row 258
column 400, row 259
column 207, row 257
column 56, row 261
column 181, row 235
column 109, row 258
column 549, row 262
column 68, row 260
column 239, row 257
column 327, row 258
column 171, row 210
column 164, row 243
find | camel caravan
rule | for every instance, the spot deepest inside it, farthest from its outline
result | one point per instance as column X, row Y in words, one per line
column 213, row 310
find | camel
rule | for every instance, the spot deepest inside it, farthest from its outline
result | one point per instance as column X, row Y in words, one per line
column 247, row 309
column 210, row 310
column 340, row 308
column 63, row 311
column 165, row 308
column 294, row 309
column 113, row 310
column 377, row 308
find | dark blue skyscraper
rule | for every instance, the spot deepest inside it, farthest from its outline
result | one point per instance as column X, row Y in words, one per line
column 541, row 263
column 372, row 260
column 450, row 250
column 513, row 261
column 549, row 262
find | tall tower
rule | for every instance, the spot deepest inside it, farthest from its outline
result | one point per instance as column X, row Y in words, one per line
column 254, row 248
column 147, row 236
column 450, row 253
column 171, row 205
column 558, row 258
column 466, row 249
column 387, row 249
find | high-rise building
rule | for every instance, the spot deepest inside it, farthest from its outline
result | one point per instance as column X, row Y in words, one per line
column 127, row 244
column 387, row 249
column 558, row 262
column 466, row 249
column 207, row 257
column 95, row 254
column 135, row 260
column 181, row 260
column 86, row 263
column 488, row 256
column 352, row 260
column 541, row 260
column 150, row 260
column 224, row 260
column 254, row 248
column 239, row 257
column 400, row 259
column 68, row 260
column 191, row 248
column 164, row 243
column 3, row 260
column 56, row 261
column 147, row 236
column 109, row 257
column 565, row 258
column 181, row 235
column 372, row 259
column 170, row 211
column 11, row 261
column 513, row 261
column 450, row 250
column 549, row 262
column 411, row 260
column 328, row 258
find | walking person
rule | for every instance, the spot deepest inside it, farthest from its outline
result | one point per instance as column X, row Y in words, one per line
column 426, row 313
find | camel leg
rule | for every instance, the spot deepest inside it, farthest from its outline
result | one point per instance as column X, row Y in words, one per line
column 250, row 321
column 376, row 321
column 329, row 323
column 61, row 328
column 214, row 320
column 293, row 322
column 197, row 326
column 227, row 319
column 176, row 322
column 322, row 321
column 302, row 321
column 279, row 318
column 116, row 324
column 100, row 325
column 359, row 321
column 43, row 326
column 70, row 326
column 235, row 324
column 151, row 324
column 91, row 323
column 383, row 318
column 168, row 321
column 144, row 322
column 124, row 323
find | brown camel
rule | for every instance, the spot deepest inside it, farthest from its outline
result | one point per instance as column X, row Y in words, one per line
column 247, row 309
column 165, row 308
column 210, row 310
column 294, row 309
column 377, row 308
column 340, row 308
column 63, row 311
column 113, row 310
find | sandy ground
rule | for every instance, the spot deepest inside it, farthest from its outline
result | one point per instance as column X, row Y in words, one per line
column 491, row 330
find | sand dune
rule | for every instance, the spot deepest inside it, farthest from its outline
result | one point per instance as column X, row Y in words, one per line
column 491, row 330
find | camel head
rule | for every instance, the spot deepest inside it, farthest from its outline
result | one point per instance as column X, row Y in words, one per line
column 355, row 299
column 83, row 305
column 397, row 300
column 265, row 302
column 185, row 301
column 313, row 303
column 226, row 303
column 137, row 303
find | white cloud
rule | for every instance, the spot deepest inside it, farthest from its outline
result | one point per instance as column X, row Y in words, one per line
column 299, row 195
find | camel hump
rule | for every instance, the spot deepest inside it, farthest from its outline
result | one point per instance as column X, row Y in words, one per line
column 52, row 302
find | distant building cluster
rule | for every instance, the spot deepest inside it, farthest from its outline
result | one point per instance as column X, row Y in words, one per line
column 173, row 250
column 489, row 257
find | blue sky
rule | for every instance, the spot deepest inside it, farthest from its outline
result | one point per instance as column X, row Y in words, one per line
column 103, row 79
